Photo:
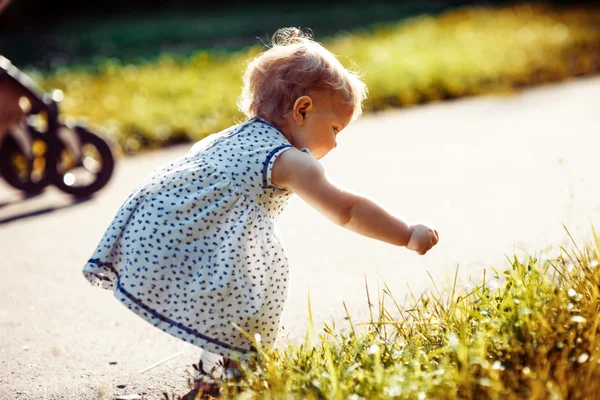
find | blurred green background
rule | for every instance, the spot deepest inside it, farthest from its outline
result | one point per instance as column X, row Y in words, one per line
column 147, row 74
column 51, row 34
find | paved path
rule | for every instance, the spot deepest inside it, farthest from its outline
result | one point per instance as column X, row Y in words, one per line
column 495, row 175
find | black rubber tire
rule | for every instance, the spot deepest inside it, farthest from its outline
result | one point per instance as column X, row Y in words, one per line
column 102, row 176
column 23, row 178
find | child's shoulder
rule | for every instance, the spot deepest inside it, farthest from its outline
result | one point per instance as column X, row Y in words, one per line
column 259, row 127
column 250, row 138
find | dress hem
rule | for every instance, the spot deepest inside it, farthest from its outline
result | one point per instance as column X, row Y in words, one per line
column 163, row 323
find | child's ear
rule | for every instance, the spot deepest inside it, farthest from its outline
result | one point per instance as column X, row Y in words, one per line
column 302, row 106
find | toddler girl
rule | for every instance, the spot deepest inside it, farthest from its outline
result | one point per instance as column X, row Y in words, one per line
column 193, row 250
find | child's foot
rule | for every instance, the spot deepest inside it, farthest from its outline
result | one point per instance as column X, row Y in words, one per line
column 207, row 383
column 204, row 388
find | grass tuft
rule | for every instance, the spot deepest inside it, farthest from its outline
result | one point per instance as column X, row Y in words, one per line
column 528, row 332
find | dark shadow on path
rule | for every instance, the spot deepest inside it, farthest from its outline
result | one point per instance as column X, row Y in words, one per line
column 41, row 211
column 18, row 197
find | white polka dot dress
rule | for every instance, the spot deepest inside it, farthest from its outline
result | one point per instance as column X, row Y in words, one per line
column 193, row 249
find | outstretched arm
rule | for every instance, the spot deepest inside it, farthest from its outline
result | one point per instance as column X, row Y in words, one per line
column 303, row 175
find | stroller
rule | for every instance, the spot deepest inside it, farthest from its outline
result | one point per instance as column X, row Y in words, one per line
column 42, row 150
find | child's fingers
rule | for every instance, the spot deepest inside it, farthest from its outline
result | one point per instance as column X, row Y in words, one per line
column 432, row 242
column 425, row 247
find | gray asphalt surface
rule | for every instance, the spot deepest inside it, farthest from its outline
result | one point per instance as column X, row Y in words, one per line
column 494, row 175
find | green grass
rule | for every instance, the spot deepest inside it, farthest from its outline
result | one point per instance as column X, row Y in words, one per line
column 463, row 52
column 140, row 37
column 528, row 332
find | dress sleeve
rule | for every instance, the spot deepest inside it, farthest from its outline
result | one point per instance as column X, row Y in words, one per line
column 268, row 166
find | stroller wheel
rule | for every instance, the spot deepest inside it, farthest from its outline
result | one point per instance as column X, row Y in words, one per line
column 86, row 168
column 26, row 172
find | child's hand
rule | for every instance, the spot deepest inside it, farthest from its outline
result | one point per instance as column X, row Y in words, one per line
column 422, row 238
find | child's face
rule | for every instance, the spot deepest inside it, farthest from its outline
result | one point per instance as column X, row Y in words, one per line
column 322, row 122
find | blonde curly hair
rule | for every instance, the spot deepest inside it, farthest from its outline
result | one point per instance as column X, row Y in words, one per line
column 294, row 66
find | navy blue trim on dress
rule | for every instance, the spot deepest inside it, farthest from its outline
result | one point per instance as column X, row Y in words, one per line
column 177, row 324
column 104, row 264
column 268, row 160
column 165, row 319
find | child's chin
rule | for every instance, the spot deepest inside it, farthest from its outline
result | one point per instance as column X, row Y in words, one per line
column 324, row 154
